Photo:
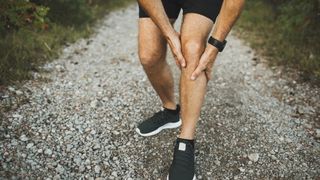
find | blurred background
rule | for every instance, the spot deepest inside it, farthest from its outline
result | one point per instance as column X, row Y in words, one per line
column 32, row 32
column 76, row 117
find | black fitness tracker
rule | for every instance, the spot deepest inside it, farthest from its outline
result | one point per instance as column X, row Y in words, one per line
column 216, row 43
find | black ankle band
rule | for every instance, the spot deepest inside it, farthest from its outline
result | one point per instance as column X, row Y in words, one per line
column 191, row 141
column 177, row 110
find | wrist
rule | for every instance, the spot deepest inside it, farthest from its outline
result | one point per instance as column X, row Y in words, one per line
column 170, row 33
column 217, row 43
column 212, row 49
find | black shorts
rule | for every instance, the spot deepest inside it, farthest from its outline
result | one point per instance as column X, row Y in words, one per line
column 207, row 8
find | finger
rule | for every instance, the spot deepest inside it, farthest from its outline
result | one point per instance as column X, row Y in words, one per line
column 178, row 64
column 208, row 72
column 181, row 59
column 198, row 71
column 177, row 60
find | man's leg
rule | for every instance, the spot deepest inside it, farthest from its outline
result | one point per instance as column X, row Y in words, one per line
column 152, row 54
column 194, row 33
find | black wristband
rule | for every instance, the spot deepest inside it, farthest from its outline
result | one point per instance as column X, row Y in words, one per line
column 216, row 43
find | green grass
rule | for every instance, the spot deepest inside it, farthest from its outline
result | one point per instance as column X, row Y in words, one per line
column 279, row 41
column 24, row 51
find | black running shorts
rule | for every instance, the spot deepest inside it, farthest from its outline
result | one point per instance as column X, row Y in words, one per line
column 207, row 8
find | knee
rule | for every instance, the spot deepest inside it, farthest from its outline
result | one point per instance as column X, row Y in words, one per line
column 150, row 59
column 192, row 51
column 192, row 48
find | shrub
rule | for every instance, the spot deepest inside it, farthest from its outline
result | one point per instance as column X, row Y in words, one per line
column 21, row 14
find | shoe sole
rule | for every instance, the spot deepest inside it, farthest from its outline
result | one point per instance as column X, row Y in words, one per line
column 166, row 126
column 194, row 177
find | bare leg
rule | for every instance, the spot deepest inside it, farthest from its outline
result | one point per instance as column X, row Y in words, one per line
column 194, row 33
column 152, row 54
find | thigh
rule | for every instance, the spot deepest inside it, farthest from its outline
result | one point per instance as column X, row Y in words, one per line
column 151, row 42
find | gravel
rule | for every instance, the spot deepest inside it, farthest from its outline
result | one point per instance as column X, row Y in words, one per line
column 76, row 119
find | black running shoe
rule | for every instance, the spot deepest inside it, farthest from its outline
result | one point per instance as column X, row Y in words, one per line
column 182, row 167
column 164, row 119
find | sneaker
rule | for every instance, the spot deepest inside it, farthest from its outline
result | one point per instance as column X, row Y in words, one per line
column 164, row 119
column 182, row 167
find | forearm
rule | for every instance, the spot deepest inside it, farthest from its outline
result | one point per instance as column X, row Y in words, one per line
column 229, row 13
column 155, row 10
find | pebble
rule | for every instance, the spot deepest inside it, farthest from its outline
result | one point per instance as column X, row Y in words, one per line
column 23, row 137
column 29, row 145
column 48, row 152
column 254, row 157
column 60, row 169
column 242, row 169
column 97, row 169
column 19, row 93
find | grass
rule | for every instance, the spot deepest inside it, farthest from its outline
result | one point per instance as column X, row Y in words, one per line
column 281, row 44
column 23, row 51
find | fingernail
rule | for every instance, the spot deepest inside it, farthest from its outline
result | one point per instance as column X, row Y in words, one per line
column 193, row 78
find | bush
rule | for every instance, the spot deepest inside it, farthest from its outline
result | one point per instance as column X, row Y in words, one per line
column 68, row 12
column 287, row 31
column 21, row 14
column 33, row 31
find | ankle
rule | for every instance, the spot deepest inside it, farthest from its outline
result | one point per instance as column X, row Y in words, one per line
column 170, row 106
column 187, row 137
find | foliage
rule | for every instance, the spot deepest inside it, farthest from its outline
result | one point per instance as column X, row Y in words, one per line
column 17, row 14
column 33, row 31
column 287, row 31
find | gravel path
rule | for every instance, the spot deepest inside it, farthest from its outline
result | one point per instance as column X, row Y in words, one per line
column 79, row 116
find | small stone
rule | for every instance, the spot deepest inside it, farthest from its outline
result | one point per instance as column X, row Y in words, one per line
column 115, row 132
column 289, row 140
column 18, row 92
column 254, row 157
column 11, row 89
column 29, row 145
column 24, row 138
column 77, row 160
column 281, row 138
column 82, row 168
column 69, row 147
column 273, row 157
column 60, row 68
column 48, row 152
column 97, row 169
column 60, row 169
column 96, row 146
column 95, row 104
column 114, row 174
column 241, row 169
column 217, row 162
column 17, row 116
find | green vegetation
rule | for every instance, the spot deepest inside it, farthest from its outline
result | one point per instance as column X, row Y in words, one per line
column 33, row 32
column 285, row 31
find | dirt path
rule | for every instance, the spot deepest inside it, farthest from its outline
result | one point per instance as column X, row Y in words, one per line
column 255, row 124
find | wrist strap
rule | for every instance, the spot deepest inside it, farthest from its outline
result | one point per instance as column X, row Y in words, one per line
column 216, row 43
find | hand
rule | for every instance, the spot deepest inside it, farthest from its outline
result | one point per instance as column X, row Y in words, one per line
column 175, row 45
column 206, row 62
